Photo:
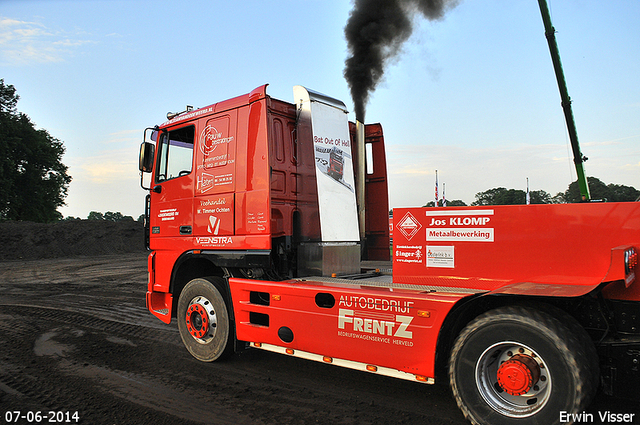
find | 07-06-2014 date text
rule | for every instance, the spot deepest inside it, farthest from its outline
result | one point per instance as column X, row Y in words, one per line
column 37, row 417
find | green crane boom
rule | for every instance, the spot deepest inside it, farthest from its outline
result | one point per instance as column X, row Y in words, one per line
column 578, row 158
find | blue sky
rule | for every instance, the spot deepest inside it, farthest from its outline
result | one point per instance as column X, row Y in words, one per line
column 473, row 95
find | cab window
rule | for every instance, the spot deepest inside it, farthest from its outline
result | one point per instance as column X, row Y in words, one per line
column 175, row 154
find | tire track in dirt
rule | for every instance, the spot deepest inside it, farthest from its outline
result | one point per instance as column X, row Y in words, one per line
column 79, row 337
column 85, row 320
column 60, row 341
column 129, row 363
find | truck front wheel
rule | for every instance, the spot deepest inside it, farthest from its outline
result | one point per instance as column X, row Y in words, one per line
column 203, row 319
column 521, row 365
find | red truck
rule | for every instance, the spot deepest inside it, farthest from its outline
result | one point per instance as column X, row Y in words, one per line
column 525, row 310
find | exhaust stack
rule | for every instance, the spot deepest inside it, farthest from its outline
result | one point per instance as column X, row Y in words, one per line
column 360, row 178
column 337, row 248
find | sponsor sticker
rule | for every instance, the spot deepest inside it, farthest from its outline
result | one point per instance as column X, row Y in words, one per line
column 214, row 225
column 206, row 181
column 376, row 319
column 440, row 256
column 409, row 226
column 408, row 254
column 460, row 234
column 210, row 138
column 168, row 214
column 214, row 240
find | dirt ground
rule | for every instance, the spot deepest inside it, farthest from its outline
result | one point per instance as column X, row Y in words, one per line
column 75, row 336
column 30, row 241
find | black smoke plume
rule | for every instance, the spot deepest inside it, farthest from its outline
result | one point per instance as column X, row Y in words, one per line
column 375, row 32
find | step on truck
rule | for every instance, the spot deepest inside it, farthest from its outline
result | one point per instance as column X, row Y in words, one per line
column 263, row 217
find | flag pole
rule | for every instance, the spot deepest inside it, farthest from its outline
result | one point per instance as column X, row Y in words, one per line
column 444, row 197
column 436, row 188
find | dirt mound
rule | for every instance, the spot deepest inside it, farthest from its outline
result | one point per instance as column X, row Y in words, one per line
column 28, row 241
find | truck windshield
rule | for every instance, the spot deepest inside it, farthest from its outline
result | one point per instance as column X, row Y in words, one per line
column 175, row 156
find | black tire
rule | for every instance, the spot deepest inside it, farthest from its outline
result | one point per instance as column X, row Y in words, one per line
column 203, row 319
column 557, row 359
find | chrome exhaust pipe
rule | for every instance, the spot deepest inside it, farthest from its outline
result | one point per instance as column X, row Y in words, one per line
column 360, row 178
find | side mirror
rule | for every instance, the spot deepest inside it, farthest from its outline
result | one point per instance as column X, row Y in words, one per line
column 147, row 151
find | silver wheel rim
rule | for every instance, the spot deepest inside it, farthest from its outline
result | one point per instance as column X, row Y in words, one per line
column 515, row 406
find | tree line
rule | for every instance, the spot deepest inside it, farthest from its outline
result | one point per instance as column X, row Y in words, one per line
column 108, row 216
column 33, row 179
column 599, row 192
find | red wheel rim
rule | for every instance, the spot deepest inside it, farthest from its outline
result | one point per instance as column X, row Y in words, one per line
column 197, row 321
column 518, row 374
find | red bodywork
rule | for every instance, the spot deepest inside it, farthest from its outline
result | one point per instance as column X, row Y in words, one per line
column 558, row 250
column 389, row 327
column 442, row 255
column 251, row 190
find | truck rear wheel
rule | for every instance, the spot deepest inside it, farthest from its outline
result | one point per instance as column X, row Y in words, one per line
column 516, row 364
column 203, row 319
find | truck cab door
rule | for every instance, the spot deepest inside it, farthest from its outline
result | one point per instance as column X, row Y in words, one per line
column 171, row 214
column 215, row 180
